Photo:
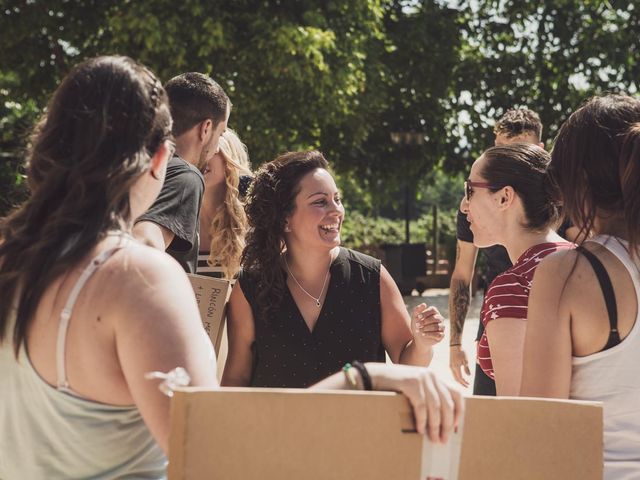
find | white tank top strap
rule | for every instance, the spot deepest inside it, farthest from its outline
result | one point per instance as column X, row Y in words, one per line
column 65, row 315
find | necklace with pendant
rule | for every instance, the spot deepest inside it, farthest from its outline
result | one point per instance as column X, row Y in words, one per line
column 324, row 284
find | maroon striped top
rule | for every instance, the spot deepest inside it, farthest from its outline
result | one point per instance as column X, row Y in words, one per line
column 508, row 294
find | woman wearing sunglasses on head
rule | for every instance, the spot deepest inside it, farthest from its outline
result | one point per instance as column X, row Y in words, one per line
column 509, row 202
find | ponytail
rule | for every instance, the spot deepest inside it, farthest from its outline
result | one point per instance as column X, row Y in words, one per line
column 629, row 167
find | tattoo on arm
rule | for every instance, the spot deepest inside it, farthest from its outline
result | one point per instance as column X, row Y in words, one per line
column 461, row 298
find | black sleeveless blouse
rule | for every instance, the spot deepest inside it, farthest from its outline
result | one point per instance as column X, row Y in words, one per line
column 287, row 354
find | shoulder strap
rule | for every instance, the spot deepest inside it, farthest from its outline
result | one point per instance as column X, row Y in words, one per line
column 65, row 315
column 609, row 295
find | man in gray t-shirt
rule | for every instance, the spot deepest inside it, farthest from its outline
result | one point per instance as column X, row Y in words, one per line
column 200, row 109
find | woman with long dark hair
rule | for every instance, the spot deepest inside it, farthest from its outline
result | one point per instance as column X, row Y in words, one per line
column 508, row 202
column 583, row 333
column 85, row 310
column 304, row 306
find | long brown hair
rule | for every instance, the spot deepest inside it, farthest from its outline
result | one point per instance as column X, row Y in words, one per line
column 596, row 163
column 100, row 129
column 271, row 200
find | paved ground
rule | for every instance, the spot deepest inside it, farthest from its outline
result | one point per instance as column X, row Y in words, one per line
column 440, row 298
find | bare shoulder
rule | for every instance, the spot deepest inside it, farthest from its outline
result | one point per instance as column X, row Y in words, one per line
column 139, row 268
column 558, row 266
column 147, row 260
column 558, row 282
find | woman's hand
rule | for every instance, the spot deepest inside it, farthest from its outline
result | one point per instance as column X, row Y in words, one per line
column 427, row 326
column 437, row 406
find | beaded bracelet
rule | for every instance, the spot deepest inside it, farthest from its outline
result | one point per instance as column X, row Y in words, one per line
column 350, row 375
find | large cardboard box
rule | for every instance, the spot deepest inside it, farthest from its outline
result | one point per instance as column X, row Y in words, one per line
column 212, row 295
column 271, row 434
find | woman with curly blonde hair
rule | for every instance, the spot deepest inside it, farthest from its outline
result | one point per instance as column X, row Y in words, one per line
column 223, row 222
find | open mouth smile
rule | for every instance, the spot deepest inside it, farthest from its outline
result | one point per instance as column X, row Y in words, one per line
column 331, row 227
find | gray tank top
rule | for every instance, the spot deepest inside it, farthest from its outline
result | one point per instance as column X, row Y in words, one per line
column 51, row 432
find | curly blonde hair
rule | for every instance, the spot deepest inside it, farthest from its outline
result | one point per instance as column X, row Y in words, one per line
column 229, row 225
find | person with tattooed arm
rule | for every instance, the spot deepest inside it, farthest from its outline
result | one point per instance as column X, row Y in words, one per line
column 515, row 126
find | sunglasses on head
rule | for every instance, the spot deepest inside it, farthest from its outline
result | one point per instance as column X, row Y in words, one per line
column 469, row 186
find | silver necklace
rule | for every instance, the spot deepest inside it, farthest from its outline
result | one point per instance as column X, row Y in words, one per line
column 317, row 300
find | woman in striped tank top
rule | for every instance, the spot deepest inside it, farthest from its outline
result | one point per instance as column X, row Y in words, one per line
column 508, row 202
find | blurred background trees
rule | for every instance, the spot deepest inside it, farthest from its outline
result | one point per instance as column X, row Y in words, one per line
column 337, row 75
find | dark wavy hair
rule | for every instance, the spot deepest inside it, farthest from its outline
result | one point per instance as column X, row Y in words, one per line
column 523, row 167
column 596, row 163
column 100, row 129
column 270, row 201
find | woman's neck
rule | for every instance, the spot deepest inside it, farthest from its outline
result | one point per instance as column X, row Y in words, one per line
column 610, row 224
column 306, row 264
column 523, row 240
column 212, row 199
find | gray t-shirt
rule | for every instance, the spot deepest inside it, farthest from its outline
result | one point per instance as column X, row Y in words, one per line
column 177, row 208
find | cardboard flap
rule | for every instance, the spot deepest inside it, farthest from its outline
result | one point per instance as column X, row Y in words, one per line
column 212, row 295
column 531, row 439
column 277, row 434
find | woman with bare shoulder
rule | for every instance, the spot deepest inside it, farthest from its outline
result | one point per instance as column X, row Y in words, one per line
column 583, row 335
column 85, row 310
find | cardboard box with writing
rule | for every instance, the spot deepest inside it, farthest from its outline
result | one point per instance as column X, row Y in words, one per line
column 270, row 434
column 212, row 295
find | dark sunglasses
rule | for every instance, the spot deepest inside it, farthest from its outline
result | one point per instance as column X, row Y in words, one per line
column 469, row 186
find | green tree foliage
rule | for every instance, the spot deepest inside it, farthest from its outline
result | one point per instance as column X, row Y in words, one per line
column 339, row 76
column 292, row 69
column 549, row 56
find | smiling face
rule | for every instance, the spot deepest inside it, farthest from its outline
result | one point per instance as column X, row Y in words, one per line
column 481, row 209
column 318, row 212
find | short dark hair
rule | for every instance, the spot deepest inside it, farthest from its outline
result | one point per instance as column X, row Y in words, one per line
column 523, row 167
column 596, row 163
column 518, row 121
column 193, row 98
